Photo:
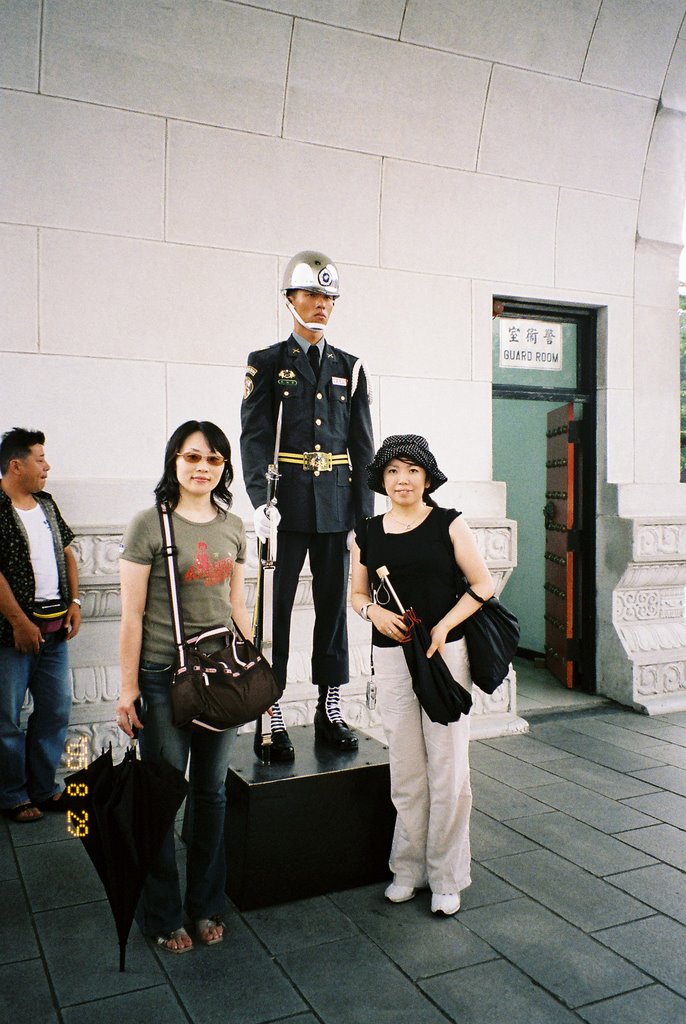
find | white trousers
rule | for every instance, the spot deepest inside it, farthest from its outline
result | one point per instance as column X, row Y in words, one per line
column 430, row 786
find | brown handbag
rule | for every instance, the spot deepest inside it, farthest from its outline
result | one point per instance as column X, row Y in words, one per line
column 219, row 690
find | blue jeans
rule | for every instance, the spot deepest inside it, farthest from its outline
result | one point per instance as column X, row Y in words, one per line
column 28, row 760
column 161, row 909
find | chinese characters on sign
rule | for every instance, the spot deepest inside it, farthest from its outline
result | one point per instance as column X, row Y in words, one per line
column 530, row 344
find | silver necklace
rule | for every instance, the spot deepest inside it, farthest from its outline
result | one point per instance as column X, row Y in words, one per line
column 408, row 526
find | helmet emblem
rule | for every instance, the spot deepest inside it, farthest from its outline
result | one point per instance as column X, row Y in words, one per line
column 325, row 277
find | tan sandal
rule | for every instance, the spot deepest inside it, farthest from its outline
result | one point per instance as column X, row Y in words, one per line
column 162, row 941
column 203, row 924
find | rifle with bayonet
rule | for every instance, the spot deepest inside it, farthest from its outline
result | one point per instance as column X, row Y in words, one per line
column 266, row 561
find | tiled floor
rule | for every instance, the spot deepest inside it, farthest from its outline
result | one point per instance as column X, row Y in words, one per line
column 577, row 909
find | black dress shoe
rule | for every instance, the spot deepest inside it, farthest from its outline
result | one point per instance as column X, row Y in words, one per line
column 281, row 749
column 334, row 734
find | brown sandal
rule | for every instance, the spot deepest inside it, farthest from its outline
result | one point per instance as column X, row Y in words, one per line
column 19, row 813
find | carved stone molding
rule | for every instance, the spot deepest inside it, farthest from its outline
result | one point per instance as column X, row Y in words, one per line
column 497, row 544
column 649, row 615
column 659, row 540
column 98, row 737
column 97, row 551
column 663, row 574
column 97, row 558
column 632, row 605
column 95, row 684
column 96, row 681
column 667, row 678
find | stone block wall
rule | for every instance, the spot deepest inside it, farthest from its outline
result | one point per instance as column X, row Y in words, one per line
column 160, row 163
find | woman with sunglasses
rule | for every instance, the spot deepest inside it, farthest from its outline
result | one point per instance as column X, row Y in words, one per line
column 210, row 554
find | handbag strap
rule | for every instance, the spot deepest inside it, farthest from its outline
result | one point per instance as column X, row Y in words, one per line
column 172, row 572
column 472, row 593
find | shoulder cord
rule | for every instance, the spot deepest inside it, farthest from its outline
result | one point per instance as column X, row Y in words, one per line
column 172, row 573
column 357, row 366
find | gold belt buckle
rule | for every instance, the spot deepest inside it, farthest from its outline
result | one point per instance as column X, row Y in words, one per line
column 318, row 462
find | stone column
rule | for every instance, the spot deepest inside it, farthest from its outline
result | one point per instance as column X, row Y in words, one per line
column 648, row 614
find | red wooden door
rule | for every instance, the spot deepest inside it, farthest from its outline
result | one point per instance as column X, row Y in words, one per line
column 559, row 515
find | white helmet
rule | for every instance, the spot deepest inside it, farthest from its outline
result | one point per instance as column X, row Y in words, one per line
column 309, row 271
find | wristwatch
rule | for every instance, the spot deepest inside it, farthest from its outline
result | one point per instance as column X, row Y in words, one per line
column 76, row 600
column 363, row 610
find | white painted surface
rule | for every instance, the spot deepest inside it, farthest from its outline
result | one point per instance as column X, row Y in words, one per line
column 217, row 63
column 18, row 288
column 418, row 104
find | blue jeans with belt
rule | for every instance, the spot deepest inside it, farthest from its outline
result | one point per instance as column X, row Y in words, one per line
column 162, row 909
column 28, row 760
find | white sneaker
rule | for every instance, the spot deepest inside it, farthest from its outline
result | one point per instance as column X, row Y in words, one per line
column 399, row 893
column 445, row 903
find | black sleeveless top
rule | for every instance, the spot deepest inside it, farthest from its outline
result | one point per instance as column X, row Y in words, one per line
column 421, row 566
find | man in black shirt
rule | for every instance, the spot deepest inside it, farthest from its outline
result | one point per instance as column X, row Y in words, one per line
column 39, row 608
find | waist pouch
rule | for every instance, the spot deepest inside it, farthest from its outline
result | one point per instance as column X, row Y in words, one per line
column 49, row 611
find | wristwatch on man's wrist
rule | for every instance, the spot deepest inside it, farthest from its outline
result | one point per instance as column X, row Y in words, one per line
column 76, row 600
column 363, row 610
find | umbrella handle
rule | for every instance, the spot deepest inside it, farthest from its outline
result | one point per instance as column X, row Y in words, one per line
column 383, row 574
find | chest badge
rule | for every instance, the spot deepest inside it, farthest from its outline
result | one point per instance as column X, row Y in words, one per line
column 286, row 378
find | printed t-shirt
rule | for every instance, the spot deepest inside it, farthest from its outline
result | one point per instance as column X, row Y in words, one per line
column 206, row 554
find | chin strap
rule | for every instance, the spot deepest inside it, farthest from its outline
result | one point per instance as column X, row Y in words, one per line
column 308, row 327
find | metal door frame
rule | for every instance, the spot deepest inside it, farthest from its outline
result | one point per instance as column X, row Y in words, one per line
column 585, row 394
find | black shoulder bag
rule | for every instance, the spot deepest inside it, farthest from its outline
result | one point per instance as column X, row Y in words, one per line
column 492, row 635
column 217, row 691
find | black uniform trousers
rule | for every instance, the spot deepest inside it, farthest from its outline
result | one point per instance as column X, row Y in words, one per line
column 329, row 562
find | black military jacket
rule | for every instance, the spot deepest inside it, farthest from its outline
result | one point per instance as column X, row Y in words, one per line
column 326, row 416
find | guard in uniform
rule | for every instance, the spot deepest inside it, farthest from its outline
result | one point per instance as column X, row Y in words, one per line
column 326, row 445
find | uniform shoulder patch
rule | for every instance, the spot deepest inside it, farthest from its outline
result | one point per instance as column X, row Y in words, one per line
column 252, row 370
column 247, row 387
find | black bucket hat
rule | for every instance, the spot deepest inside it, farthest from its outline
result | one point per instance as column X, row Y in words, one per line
column 404, row 446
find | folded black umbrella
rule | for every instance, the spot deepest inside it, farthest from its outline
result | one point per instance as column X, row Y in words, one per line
column 441, row 696
column 122, row 813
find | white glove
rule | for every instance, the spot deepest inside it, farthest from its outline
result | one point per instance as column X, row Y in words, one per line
column 349, row 540
column 265, row 517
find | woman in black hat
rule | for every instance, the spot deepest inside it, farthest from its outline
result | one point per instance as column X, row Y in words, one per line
column 422, row 545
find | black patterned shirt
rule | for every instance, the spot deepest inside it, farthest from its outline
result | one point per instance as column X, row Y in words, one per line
column 15, row 556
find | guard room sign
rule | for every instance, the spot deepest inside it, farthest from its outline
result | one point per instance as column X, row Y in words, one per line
column 530, row 344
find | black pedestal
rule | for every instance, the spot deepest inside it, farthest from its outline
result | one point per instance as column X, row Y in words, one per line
column 318, row 825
